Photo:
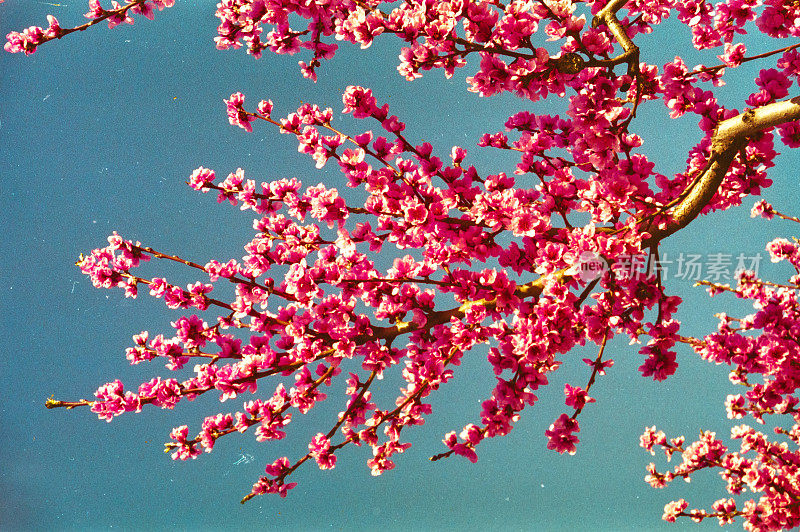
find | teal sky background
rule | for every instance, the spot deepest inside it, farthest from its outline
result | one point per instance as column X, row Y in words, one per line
column 100, row 131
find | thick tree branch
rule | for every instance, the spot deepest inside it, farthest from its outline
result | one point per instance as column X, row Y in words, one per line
column 730, row 136
column 608, row 16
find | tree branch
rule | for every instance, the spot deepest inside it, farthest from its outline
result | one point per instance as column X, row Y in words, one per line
column 730, row 136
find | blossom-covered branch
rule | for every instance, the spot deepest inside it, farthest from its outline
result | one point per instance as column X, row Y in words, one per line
column 312, row 300
column 34, row 36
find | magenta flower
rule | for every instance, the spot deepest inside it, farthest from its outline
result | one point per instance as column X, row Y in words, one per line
column 577, row 397
column 599, row 365
column 27, row 41
column 319, row 448
column 237, row 116
column 790, row 134
column 265, row 108
column 560, row 435
column 462, row 449
column 673, row 509
column 763, row 209
column 651, row 438
column 201, row 178
column 734, row 53
column 774, row 82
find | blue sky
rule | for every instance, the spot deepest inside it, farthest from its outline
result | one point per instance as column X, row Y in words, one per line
column 98, row 133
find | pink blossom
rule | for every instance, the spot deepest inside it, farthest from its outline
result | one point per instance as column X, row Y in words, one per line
column 781, row 249
column 673, row 509
column 320, row 450
column 359, row 101
column 113, row 401
column 237, row 116
column 461, row 449
column 734, row 53
column 576, row 397
column 158, row 286
column 656, row 479
column 201, row 178
column 118, row 16
column 651, row 438
column 774, row 82
column 183, row 448
column 790, row 133
column 560, row 435
column 763, row 209
column 95, row 10
column 265, row 108
column 191, row 331
column 599, row 365
column 23, row 42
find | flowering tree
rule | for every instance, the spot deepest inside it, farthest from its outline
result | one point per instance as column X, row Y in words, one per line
column 484, row 259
